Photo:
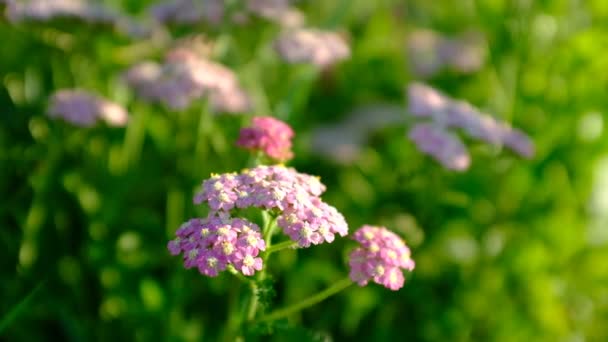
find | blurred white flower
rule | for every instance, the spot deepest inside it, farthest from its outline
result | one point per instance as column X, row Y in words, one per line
column 429, row 52
column 278, row 11
column 189, row 11
column 84, row 109
column 43, row 10
column 321, row 48
column 185, row 77
column 426, row 102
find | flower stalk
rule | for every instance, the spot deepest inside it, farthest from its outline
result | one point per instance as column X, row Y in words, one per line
column 280, row 246
column 308, row 302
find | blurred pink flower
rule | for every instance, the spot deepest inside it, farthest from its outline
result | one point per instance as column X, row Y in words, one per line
column 278, row 11
column 321, row 48
column 424, row 101
column 43, row 10
column 269, row 135
column 427, row 102
column 185, row 77
column 442, row 145
column 84, row 109
column 466, row 53
column 429, row 52
column 189, row 11
column 422, row 47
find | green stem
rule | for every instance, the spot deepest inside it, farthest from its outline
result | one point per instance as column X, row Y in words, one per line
column 202, row 138
column 253, row 302
column 134, row 138
column 268, row 228
column 310, row 301
column 269, row 223
column 280, row 246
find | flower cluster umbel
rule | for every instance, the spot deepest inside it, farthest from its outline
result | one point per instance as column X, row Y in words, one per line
column 380, row 257
column 294, row 197
column 213, row 243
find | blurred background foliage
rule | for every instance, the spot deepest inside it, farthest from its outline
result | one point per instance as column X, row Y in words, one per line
column 510, row 250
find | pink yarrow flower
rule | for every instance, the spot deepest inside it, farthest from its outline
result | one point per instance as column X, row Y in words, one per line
column 269, row 135
column 294, row 198
column 213, row 243
column 380, row 257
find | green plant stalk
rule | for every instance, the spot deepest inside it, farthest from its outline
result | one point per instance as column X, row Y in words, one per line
column 205, row 126
column 268, row 226
column 308, row 302
column 134, row 138
column 253, row 302
column 280, row 246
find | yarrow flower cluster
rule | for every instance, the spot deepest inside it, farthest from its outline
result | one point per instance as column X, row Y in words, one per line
column 380, row 257
column 293, row 197
column 429, row 52
column 84, row 109
column 269, row 135
column 213, row 243
column 185, row 77
column 321, row 48
column 445, row 113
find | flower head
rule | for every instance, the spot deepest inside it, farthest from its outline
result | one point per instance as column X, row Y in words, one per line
column 82, row 108
column 213, row 243
column 292, row 196
column 380, row 257
column 316, row 47
column 185, row 77
column 426, row 102
column 444, row 146
column 269, row 135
